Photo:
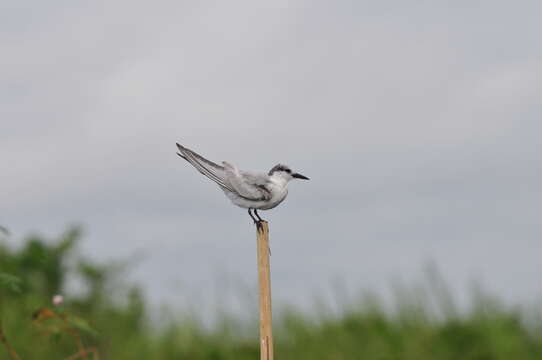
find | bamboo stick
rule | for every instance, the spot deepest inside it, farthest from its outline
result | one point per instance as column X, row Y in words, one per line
column 264, row 280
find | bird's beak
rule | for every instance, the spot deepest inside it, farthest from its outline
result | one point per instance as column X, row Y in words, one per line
column 299, row 176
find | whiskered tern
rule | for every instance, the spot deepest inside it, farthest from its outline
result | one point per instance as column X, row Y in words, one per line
column 249, row 190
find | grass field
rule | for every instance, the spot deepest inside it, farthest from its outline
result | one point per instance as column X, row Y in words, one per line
column 425, row 323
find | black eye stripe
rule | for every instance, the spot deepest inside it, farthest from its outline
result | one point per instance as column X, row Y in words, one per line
column 279, row 168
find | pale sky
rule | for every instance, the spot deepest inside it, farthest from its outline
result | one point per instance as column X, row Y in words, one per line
column 418, row 123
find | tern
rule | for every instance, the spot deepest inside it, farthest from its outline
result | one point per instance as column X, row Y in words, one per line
column 249, row 190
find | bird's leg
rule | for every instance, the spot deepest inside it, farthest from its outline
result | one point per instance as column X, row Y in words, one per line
column 258, row 216
column 260, row 220
column 253, row 218
column 257, row 222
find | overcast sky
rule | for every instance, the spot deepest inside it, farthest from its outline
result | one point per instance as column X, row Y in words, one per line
column 418, row 123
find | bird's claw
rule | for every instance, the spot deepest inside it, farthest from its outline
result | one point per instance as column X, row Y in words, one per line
column 259, row 225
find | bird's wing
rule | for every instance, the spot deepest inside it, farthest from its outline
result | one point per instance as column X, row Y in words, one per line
column 208, row 168
column 255, row 178
column 227, row 178
column 247, row 185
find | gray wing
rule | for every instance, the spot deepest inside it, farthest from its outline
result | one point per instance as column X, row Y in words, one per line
column 208, row 168
column 259, row 180
column 248, row 185
column 228, row 179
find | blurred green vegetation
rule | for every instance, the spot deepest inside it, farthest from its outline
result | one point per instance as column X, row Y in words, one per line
column 425, row 323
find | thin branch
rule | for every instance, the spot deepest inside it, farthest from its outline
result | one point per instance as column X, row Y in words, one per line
column 75, row 334
column 12, row 353
column 85, row 352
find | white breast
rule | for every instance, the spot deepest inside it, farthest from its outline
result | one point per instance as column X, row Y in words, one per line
column 277, row 197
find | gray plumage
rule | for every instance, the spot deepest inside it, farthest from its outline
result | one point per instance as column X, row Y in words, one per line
column 250, row 190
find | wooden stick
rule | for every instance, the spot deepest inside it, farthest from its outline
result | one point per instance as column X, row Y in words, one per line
column 264, row 280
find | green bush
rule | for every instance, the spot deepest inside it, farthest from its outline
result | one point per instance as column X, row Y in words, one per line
column 425, row 324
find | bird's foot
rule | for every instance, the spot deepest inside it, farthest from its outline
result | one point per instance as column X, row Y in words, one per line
column 259, row 225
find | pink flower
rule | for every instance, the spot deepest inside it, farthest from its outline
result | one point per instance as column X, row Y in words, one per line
column 58, row 300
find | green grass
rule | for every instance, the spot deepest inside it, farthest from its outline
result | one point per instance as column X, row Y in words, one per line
column 425, row 323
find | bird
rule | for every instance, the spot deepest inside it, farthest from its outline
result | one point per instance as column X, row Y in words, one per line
column 246, row 189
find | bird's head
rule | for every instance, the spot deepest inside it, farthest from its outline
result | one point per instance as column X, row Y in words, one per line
column 284, row 172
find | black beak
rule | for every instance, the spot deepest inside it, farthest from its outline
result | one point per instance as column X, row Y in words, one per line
column 299, row 176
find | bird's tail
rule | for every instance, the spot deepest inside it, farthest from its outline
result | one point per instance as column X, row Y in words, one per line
column 206, row 167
